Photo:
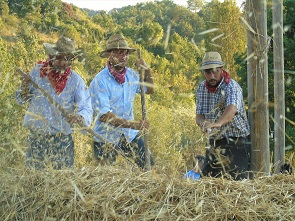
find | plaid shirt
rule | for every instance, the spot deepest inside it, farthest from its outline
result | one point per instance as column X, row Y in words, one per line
column 212, row 106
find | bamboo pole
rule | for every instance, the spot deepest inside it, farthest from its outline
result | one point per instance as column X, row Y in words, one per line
column 144, row 117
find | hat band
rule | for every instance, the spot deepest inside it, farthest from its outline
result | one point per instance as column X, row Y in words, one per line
column 118, row 39
column 212, row 62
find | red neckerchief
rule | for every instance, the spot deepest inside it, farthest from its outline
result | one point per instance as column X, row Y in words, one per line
column 58, row 81
column 119, row 77
column 225, row 77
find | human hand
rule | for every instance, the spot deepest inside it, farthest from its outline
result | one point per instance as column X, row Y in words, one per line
column 210, row 128
column 141, row 125
column 25, row 78
column 75, row 118
column 140, row 64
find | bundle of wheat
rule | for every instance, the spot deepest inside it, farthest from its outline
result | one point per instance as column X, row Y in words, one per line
column 116, row 193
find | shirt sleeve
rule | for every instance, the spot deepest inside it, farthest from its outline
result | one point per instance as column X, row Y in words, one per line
column 136, row 78
column 18, row 96
column 235, row 95
column 199, row 97
column 83, row 102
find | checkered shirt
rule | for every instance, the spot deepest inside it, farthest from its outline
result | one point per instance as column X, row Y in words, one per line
column 212, row 106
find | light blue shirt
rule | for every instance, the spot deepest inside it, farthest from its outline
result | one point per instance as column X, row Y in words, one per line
column 107, row 95
column 42, row 117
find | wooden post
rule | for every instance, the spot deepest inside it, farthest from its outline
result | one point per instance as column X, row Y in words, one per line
column 257, row 71
column 144, row 117
column 279, row 86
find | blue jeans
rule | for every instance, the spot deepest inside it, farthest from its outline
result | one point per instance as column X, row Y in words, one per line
column 231, row 156
column 107, row 153
column 50, row 150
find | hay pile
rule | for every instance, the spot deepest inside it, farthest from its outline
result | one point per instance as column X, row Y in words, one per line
column 112, row 193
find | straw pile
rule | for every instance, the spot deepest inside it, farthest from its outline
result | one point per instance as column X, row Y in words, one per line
column 113, row 193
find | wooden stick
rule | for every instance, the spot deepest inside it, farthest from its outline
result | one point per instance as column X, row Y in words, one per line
column 66, row 114
column 143, row 107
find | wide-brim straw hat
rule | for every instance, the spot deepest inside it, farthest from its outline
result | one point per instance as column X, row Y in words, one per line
column 116, row 41
column 211, row 60
column 63, row 45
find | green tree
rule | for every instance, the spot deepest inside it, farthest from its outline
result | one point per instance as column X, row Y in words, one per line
column 195, row 5
column 224, row 32
column 21, row 8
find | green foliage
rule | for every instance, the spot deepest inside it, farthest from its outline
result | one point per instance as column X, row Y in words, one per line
column 227, row 34
column 195, row 5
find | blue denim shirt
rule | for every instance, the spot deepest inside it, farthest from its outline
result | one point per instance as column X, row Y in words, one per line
column 42, row 117
column 107, row 95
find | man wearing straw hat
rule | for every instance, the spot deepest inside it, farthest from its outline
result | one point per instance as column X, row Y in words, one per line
column 220, row 112
column 50, row 139
column 112, row 93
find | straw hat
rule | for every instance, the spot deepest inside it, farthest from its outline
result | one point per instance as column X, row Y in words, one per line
column 63, row 45
column 211, row 60
column 116, row 41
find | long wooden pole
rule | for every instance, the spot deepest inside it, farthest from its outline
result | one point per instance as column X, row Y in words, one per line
column 279, row 87
column 257, row 71
column 65, row 113
column 144, row 117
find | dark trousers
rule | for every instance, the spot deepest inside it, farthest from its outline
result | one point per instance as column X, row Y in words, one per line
column 56, row 151
column 107, row 153
column 228, row 156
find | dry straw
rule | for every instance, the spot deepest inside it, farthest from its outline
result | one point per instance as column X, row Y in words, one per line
column 113, row 193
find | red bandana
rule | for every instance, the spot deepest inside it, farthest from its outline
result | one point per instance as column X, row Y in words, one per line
column 119, row 77
column 58, row 81
column 225, row 77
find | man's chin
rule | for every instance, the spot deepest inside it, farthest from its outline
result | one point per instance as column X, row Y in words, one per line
column 213, row 85
column 59, row 71
column 120, row 65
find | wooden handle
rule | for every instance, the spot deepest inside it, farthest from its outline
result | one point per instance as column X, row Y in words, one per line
column 144, row 117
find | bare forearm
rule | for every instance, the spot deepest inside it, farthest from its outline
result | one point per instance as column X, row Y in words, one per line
column 116, row 121
column 228, row 115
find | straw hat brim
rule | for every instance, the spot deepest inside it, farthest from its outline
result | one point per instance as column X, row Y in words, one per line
column 51, row 49
column 104, row 54
column 212, row 65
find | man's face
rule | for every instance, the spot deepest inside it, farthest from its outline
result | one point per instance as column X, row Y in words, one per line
column 61, row 62
column 213, row 76
column 119, row 58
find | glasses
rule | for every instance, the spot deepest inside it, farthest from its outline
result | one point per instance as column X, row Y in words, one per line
column 121, row 51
